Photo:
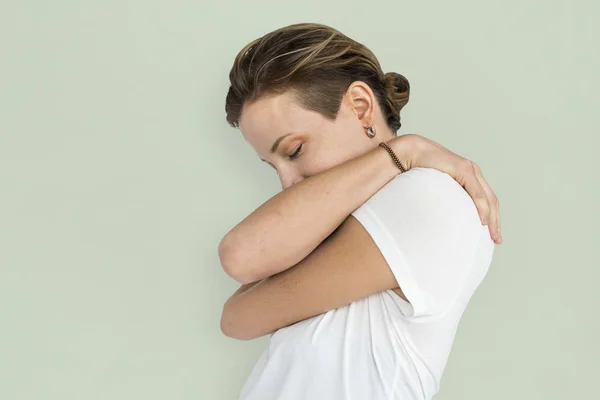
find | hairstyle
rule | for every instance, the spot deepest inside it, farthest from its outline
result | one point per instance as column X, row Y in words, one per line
column 316, row 62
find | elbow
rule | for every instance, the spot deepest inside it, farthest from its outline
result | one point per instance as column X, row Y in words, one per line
column 231, row 327
column 231, row 331
column 232, row 262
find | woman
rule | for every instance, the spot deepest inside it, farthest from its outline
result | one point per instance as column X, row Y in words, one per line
column 361, row 268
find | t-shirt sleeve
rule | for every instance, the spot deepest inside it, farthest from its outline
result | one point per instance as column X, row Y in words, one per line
column 427, row 228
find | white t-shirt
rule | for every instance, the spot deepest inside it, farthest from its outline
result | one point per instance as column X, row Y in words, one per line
column 383, row 347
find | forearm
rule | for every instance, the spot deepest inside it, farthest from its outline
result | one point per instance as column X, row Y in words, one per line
column 290, row 225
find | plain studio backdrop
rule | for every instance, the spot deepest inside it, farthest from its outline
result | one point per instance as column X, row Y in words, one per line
column 119, row 176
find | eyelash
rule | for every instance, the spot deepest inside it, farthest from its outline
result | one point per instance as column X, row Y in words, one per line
column 296, row 153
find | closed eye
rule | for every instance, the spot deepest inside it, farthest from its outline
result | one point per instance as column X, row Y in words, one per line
column 296, row 153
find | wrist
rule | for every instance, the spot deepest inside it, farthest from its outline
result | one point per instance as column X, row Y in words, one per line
column 406, row 149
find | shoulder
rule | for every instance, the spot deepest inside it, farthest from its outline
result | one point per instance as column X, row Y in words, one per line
column 425, row 191
column 428, row 229
column 427, row 180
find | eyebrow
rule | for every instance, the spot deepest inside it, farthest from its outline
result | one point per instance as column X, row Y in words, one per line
column 276, row 143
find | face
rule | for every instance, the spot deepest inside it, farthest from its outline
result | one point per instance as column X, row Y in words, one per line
column 306, row 143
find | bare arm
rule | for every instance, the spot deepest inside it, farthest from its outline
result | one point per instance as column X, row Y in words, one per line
column 290, row 225
column 345, row 267
column 260, row 245
column 434, row 234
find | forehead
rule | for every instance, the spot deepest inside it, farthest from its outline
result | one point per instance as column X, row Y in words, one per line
column 270, row 113
column 263, row 121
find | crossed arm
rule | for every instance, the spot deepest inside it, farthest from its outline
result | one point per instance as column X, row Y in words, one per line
column 345, row 267
column 329, row 263
column 289, row 226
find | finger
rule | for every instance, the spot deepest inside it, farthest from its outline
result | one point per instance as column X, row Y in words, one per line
column 473, row 186
column 498, row 224
column 498, row 218
column 494, row 207
column 494, row 225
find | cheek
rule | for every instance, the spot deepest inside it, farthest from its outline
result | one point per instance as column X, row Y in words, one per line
column 327, row 156
column 335, row 143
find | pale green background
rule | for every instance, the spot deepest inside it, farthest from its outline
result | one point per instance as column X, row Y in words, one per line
column 119, row 176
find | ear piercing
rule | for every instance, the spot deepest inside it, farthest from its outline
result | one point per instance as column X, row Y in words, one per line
column 370, row 131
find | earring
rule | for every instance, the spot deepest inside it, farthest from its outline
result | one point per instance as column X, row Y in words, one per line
column 370, row 131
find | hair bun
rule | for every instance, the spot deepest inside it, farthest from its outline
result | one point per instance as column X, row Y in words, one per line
column 396, row 83
column 397, row 90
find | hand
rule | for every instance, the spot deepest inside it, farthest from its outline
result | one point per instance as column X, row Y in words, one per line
column 428, row 154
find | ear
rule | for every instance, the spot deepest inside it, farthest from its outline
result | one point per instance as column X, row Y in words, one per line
column 361, row 100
